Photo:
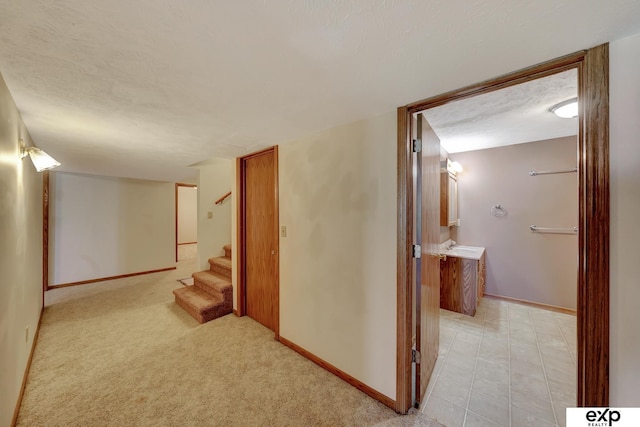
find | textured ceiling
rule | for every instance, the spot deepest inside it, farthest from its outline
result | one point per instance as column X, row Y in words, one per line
column 508, row 116
column 145, row 88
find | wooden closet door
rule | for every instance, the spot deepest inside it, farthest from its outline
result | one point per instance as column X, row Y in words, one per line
column 261, row 239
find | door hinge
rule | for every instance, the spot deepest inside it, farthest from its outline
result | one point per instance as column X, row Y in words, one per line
column 415, row 356
column 417, row 146
column 417, row 251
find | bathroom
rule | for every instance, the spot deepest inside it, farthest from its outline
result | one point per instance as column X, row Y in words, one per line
column 508, row 257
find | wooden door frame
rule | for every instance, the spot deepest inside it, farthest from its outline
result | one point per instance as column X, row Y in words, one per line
column 45, row 233
column 592, row 66
column 241, row 235
column 180, row 184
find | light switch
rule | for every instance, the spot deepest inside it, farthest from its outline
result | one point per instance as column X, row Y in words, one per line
column 209, row 215
column 283, row 231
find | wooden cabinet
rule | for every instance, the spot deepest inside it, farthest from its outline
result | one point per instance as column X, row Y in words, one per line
column 462, row 282
column 448, row 199
column 482, row 274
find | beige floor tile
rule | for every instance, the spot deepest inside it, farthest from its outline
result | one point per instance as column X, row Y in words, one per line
column 533, row 388
column 535, row 405
column 496, row 328
column 453, row 391
column 492, row 371
column 452, row 373
column 521, row 418
column 525, row 351
column 492, row 349
column 530, row 367
column 490, row 407
column 562, row 389
column 489, row 387
column 560, row 409
column 460, row 363
column 445, row 412
column 475, row 420
column 511, row 347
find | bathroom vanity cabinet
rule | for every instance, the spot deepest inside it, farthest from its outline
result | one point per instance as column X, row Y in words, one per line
column 462, row 283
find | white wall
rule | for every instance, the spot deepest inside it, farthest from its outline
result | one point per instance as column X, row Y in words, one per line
column 338, row 261
column 102, row 227
column 520, row 264
column 625, row 214
column 20, row 254
column 187, row 214
column 213, row 233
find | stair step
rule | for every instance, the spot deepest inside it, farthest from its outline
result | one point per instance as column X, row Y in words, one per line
column 221, row 266
column 227, row 251
column 200, row 304
column 213, row 283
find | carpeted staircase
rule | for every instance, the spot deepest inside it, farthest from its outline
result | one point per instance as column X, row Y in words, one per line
column 211, row 295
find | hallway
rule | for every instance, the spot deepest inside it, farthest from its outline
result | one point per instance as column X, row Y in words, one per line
column 123, row 353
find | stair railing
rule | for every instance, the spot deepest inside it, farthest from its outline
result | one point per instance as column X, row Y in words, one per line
column 223, row 198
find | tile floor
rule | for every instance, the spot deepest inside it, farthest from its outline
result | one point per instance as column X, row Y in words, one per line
column 510, row 365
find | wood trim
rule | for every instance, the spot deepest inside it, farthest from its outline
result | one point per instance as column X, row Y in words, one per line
column 593, row 262
column 533, row 304
column 176, row 222
column 187, row 243
column 258, row 153
column 16, row 411
column 102, row 279
column 340, row 374
column 181, row 184
column 222, row 199
column 593, row 255
column 45, row 233
column 404, row 266
column 235, row 312
column 521, row 76
column 240, row 226
column 276, row 225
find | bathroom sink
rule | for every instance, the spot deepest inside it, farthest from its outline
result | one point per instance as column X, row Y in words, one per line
column 462, row 251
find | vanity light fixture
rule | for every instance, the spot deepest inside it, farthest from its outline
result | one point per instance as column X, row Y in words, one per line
column 41, row 160
column 566, row 109
column 454, row 167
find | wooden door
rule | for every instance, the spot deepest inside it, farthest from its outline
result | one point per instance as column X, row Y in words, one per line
column 261, row 238
column 428, row 265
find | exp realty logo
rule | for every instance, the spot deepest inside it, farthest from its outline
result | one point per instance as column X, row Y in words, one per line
column 603, row 417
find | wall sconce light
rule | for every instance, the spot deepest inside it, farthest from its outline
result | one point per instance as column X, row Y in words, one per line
column 41, row 160
column 566, row 109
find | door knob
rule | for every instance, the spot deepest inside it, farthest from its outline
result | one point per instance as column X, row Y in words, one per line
column 273, row 252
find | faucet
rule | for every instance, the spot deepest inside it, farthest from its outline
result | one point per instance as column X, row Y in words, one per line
column 451, row 244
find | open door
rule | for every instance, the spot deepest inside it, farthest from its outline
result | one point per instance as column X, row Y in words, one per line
column 427, row 287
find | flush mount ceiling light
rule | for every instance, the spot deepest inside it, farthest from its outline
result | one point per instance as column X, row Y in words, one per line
column 41, row 160
column 566, row 109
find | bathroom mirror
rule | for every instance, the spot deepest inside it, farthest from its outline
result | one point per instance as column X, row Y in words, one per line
column 448, row 199
column 452, row 217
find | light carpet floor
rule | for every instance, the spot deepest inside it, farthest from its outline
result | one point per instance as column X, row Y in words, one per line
column 122, row 353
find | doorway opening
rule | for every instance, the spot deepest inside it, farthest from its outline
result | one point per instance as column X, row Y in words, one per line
column 507, row 163
column 593, row 229
column 186, row 221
